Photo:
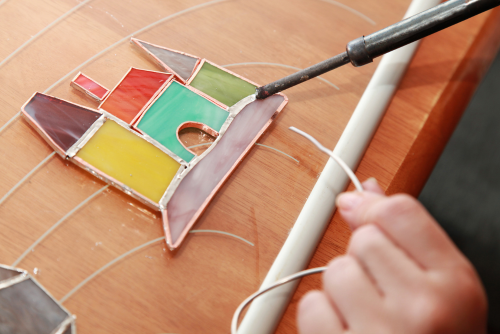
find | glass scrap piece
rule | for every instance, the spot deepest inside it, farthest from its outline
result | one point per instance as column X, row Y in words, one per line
column 62, row 122
column 130, row 159
column 202, row 182
column 6, row 273
column 221, row 85
column 134, row 91
column 90, row 87
column 178, row 105
column 25, row 308
column 181, row 64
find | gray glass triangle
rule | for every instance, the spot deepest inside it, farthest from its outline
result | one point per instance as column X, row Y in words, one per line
column 181, row 64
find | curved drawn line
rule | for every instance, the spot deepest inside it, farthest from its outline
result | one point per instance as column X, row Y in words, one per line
column 97, row 55
column 198, row 145
column 41, row 32
column 225, row 233
column 272, row 148
column 117, row 43
column 352, row 10
column 59, row 222
column 106, row 266
column 109, row 264
column 18, row 184
column 280, row 65
column 16, row 116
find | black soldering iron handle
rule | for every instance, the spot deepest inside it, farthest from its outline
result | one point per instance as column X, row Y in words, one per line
column 363, row 50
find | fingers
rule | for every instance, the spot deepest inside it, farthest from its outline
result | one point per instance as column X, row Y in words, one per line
column 393, row 271
column 355, row 295
column 316, row 315
column 404, row 221
column 371, row 185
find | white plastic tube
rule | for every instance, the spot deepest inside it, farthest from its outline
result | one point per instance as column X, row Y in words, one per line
column 265, row 312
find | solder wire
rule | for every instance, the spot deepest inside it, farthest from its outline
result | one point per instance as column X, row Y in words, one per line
column 300, row 274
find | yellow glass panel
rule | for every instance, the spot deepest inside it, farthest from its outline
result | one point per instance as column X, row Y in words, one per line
column 130, row 159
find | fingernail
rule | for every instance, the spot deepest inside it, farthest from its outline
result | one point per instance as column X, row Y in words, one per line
column 349, row 201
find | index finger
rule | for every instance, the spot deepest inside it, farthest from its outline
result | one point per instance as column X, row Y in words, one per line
column 406, row 222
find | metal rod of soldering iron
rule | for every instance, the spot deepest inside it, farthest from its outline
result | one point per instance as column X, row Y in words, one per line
column 362, row 50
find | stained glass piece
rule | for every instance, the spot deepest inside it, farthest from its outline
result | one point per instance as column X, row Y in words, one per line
column 89, row 86
column 133, row 93
column 63, row 122
column 26, row 308
column 68, row 330
column 201, row 182
column 6, row 273
column 221, row 85
column 175, row 106
column 181, row 64
column 130, row 159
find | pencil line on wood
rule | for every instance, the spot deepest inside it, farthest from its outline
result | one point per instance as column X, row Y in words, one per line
column 272, row 148
column 280, row 65
column 41, row 32
column 106, row 266
column 225, row 233
column 138, row 248
column 190, row 9
column 6, row 125
column 18, row 184
column 56, row 225
column 126, row 38
column 352, row 10
column 198, row 145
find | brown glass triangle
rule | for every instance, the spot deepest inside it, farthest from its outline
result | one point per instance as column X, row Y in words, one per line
column 181, row 64
column 64, row 122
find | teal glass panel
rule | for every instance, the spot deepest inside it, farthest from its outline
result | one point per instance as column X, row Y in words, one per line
column 177, row 105
column 220, row 85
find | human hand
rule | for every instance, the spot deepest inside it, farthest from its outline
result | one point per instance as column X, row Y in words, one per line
column 401, row 274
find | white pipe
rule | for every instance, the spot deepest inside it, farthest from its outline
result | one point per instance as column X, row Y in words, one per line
column 265, row 312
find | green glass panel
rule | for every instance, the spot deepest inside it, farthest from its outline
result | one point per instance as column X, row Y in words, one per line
column 177, row 105
column 222, row 86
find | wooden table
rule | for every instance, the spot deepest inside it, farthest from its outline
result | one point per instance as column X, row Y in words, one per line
column 422, row 116
column 196, row 289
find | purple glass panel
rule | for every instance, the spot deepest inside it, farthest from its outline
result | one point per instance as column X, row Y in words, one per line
column 26, row 308
column 64, row 122
column 181, row 64
column 203, row 179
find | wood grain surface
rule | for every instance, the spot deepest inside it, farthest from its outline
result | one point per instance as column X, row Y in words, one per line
column 43, row 44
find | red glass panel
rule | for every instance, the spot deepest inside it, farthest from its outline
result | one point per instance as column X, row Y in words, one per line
column 90, row 86
column 133, row 93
